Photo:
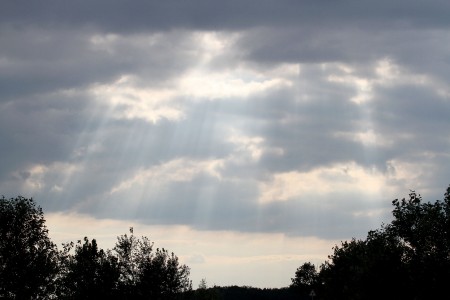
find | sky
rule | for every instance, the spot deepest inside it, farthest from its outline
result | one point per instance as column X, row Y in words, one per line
column 248, row 137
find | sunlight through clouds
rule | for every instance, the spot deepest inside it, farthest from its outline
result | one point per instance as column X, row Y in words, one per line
column 247, row 135
column 368, row 138
column 250, row 148
column 130, row 97
column 173, row 171
column 200, row 84
column 132, row 102
column 323, row 181
column 37, row 177
column 241, row 81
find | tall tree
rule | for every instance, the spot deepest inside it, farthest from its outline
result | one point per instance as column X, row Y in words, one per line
column 406, row 259
column 149, row 274
column 424, row 230
column 162, row 277
column 306, row 279
column 365, row 269
column 28, row 258
column 128, row 250
column 90, row 273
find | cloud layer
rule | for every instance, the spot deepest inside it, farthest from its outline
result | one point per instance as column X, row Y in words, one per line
column 289, row 117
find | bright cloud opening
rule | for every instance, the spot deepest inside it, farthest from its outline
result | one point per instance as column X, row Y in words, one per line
column 348, row 177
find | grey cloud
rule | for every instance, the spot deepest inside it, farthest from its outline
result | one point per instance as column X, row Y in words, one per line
column 208, row 204
column 127, row 145
column 415, row 119
column 41, row 61
column 201, row 14
column 52, row 52
column 355, row 44
column 39, row 130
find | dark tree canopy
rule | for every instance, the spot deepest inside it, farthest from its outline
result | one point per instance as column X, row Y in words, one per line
column 306, row 279
column 31, row 267
column 149, row 274
column 132, row 270
column 424, row 231
column 28, row 258
column 90, row 273
column 408, row 258
column 364, row 269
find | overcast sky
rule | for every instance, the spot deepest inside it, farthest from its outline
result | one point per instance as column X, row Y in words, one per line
column 246, row 136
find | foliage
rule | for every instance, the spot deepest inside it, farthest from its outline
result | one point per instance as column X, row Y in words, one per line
column 306, row 279
column 90, row 273
column 245, row 292
column 149, row 274
column 204, row 293
column 359, row 268
column 406, row 259
column 128, row 251
column 202, row 285
column 424, row 231
column 31, row 267
column 28, row 258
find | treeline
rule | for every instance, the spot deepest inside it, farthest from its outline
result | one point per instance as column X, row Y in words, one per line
column 243, row 292
column 32, row 267
column 408, row 258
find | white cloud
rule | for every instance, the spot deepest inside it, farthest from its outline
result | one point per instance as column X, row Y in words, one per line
column 386, row 73
column 212, row 78
column 201, row 84
column 250, row 148
column 178, row 170
column 54, row 177
column 362, row 86
column 127, row 101
column 243, row 115
column 368, row 138
column 342, row 177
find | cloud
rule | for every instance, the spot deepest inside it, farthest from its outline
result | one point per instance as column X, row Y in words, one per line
column 287, row 118
column 115, row 15
column 343, row 177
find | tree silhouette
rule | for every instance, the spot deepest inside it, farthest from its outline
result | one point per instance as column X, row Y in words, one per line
column 28, row 258
column 90, row 273
column 149, row 274
column 406, row 259
column 306, row 279
column 364, row 269
column 424, row 230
